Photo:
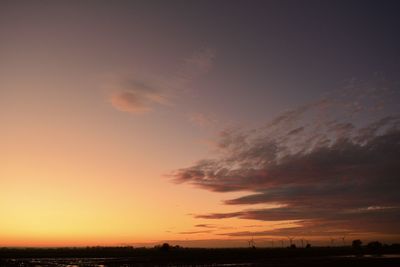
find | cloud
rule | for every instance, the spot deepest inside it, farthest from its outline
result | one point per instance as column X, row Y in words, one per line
column 202, row 120
column 141, row 93
column 137, row 99
column 332, row 164
column 194, row 66
column 205, row 225
column 195, row 232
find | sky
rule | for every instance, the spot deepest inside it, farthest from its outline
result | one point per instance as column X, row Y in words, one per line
column 199, row 123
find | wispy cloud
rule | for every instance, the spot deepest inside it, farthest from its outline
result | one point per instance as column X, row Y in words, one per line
column 327, row 163
column 141, row 93
column 195, row 232
column 202, row 120
column 138, row 98
column 205, row 225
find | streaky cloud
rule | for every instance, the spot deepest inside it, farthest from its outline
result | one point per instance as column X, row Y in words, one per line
column 195, row 232
column 137, row 93
column 333, row 162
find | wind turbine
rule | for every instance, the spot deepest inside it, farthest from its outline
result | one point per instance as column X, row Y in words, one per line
column 344, row 240
column 290, row 240
column 252, row 243
column 302, row 242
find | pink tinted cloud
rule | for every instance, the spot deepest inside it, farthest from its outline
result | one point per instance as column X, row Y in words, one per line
column 138, row 94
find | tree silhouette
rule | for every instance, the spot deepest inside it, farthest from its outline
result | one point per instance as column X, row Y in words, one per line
column 356, row 244
column 165, row 247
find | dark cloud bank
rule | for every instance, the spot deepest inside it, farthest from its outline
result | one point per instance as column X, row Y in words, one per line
column 333, row 165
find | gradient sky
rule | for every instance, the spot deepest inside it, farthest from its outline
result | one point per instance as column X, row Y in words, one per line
column 200, row 123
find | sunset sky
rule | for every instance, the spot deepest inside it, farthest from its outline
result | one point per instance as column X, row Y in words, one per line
column 199, row 123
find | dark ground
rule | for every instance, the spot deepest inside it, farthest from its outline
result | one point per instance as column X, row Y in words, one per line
column 176, row 256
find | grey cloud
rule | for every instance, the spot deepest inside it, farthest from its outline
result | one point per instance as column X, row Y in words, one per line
column 292, row 231
column 195, row 232
column 320, row 222
column 205, row 225
column 327, row 163
column 220, row 215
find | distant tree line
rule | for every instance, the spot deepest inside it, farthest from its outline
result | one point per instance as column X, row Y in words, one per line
column 167, row 252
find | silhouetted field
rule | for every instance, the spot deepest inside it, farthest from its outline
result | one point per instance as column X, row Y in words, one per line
column 177, row 256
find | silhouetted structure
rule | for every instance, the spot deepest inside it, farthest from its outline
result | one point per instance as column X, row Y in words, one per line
column 290, row 240
column 356, row 244
column 252, row 243
column 344, row 240
column 165, row 247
